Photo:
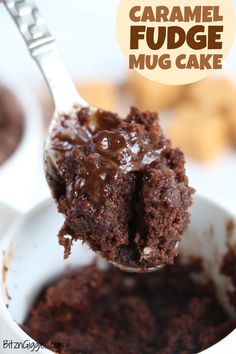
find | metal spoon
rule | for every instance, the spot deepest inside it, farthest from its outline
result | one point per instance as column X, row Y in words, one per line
column 43, row 49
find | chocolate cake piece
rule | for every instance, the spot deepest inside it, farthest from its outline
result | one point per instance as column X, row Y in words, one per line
column 111, row 312
column 122, row 187
column 11, row 124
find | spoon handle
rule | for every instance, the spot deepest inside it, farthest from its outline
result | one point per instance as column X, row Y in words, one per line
column 43, row 49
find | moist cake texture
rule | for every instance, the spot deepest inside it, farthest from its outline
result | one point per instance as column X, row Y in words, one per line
column 122, row 187
column 111, row 312
column 11, row 124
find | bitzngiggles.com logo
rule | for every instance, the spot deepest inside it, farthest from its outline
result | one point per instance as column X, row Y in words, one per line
column 31, row 346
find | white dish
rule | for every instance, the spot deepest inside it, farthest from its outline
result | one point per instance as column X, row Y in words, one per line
column 7, row 217
column 22, row 174
column 33, row 257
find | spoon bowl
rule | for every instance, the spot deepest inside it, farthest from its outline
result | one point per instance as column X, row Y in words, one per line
column 67, row 100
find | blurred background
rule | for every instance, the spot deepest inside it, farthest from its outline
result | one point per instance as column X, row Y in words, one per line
column 199, row 118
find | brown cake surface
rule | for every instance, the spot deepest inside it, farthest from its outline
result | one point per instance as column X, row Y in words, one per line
column 123, row 188
column 11, row 124
column 111, row 312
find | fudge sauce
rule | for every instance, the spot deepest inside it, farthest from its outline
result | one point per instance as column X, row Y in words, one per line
column 121, row 186
column 111, row 312
column 11, row 124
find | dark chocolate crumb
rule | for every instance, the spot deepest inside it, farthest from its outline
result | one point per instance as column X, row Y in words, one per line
column 123, row 188
column 111, row 312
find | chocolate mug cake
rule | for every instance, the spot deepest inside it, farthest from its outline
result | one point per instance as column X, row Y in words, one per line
column 121, row 186
column 91, row 311
column 11, row 124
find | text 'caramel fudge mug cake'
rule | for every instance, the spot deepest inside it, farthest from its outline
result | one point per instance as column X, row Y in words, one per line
column 88, row 308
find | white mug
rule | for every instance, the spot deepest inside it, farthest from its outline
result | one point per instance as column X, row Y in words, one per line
column 30, row 253
column 23, row 170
